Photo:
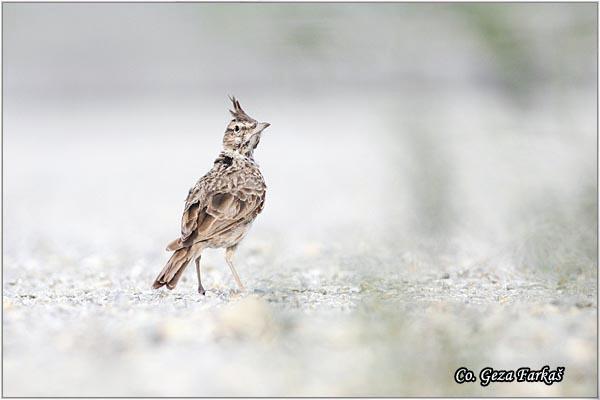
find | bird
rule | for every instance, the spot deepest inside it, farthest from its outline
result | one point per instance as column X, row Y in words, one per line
column 221, row 206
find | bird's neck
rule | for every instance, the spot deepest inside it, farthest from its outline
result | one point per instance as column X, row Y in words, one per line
column 229, row 157
column 235, row 155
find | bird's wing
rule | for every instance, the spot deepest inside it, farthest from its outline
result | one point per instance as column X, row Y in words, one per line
column 216, row 205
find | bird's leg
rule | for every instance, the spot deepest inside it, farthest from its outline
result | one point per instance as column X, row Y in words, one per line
column 229, row 258
column 200, row 288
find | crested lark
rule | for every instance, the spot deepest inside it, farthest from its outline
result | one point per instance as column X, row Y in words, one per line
column 220, row 208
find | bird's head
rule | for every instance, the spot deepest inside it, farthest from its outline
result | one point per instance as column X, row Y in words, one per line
column 243, row 132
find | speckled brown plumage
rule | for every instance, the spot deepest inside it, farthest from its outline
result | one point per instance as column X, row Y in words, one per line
column 222, row 205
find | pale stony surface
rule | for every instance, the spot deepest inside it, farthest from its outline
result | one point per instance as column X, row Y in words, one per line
column 356, row 288
column 352, row 297
column 325, row 327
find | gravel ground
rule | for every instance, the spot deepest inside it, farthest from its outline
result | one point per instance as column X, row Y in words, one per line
column 315, row 324
column 339, row 301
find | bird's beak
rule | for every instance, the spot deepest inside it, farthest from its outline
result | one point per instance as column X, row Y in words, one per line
column 262, row 126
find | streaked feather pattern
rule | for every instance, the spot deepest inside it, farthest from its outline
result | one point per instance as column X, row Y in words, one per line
column 221, row 206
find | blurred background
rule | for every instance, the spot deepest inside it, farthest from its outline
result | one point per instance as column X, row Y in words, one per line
column 432, row 197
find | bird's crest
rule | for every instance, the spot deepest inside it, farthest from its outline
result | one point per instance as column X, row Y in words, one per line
column 237, row 112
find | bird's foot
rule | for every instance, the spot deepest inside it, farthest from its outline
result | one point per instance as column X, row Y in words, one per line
column 201, row 290
column 241, row 290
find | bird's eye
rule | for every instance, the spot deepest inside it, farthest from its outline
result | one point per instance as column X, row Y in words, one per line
column 236, row 128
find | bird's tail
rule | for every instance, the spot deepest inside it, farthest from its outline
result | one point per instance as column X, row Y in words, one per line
column 171, row 273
